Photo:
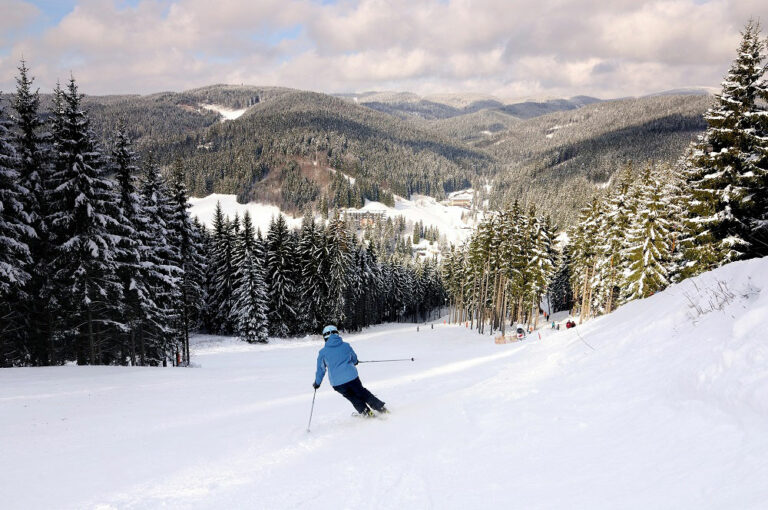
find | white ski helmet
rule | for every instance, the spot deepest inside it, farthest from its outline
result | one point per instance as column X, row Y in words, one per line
column 329, row 330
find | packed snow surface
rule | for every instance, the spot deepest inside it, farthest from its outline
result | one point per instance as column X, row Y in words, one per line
column 663, row 404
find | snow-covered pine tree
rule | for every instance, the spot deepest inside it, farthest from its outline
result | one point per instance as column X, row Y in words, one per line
column 203, row 243
column 159, row 255
column 312, row 284
column 723, row 168
column 517, row 252
column 237, row 257
column 540, row 265
column 221, row 271
column 648, row 251
column 434, row 292
column 33, row 147
column 560, row 291
column 675, row 200
column 33, row 163
column 137, row 300
column 549, row 230
column 84, row 211
column 354, row 294
column 398, row 291
column 339, row 254
column 611, row 263
column 585, row 240
column 245, row 239
column 370, row 275
column 754, row 175
column 249, row 308
column 280, row 278
column 15, row 259
column 192, row 262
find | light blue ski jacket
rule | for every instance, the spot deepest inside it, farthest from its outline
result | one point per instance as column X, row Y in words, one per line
column 338, row 357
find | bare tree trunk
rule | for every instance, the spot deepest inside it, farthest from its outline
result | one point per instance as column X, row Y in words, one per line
column 609, row 305
column 91, row 342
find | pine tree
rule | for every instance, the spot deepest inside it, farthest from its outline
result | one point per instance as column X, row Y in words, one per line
column 339, row 262
column 83, row 219
column 132, row 223
column 162, row 272
column 187, row 242
column 754, row 176
column 33, row 148
column 223, row 271
column 313, row 284
column 14, row 221
column 540, row 264
column 648, row 239
column 33, row 162
column 15, row 257
column 280, row 278
column 612, row 262
column 560, row 291
column 250, row 297
column 586, row 239
column 726, row 168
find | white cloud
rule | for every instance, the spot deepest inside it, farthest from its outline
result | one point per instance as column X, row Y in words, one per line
column 550, row 47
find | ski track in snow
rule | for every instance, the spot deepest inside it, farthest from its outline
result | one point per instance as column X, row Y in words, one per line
column 669, row 411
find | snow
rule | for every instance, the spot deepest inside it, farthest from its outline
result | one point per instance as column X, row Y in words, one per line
column 226, row 113
column 426, row 209
column 464, row 194
column 349, row 178
column 450, row 220
column 261, row 214
column 420, row 208
column 662, row 404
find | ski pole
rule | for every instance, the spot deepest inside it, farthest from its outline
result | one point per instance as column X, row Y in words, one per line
column 386, row 360
column 312, row 410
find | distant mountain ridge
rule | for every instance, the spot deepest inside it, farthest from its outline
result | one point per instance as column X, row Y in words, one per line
column 407, row 104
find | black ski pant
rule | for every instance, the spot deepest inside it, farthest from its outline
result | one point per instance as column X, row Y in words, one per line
column 359, row 396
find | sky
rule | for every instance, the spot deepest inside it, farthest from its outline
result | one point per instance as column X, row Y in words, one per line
column 504, row 48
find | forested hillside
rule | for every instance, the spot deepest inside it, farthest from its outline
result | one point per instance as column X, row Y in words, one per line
column 559, row 161
column 299, row 150
column 283, row 125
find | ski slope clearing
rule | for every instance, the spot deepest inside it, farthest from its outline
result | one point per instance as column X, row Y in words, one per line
column 450, row 220
column 663, row 405
column 226, row 113
column 261, row 214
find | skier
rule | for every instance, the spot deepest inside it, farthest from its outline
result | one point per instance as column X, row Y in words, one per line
column 340, row 360
column 520, row 332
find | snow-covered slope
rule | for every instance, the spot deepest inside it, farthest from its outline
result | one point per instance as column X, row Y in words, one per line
column 261, row 214
column 452, row 221
column 226, row 113
column 449, row 219
column 663, row 405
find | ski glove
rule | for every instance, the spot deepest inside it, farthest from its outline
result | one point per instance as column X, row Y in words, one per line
column 315, row 385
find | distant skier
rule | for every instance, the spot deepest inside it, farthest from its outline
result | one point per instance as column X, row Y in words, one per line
column 340, row 360
column 520, row 332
